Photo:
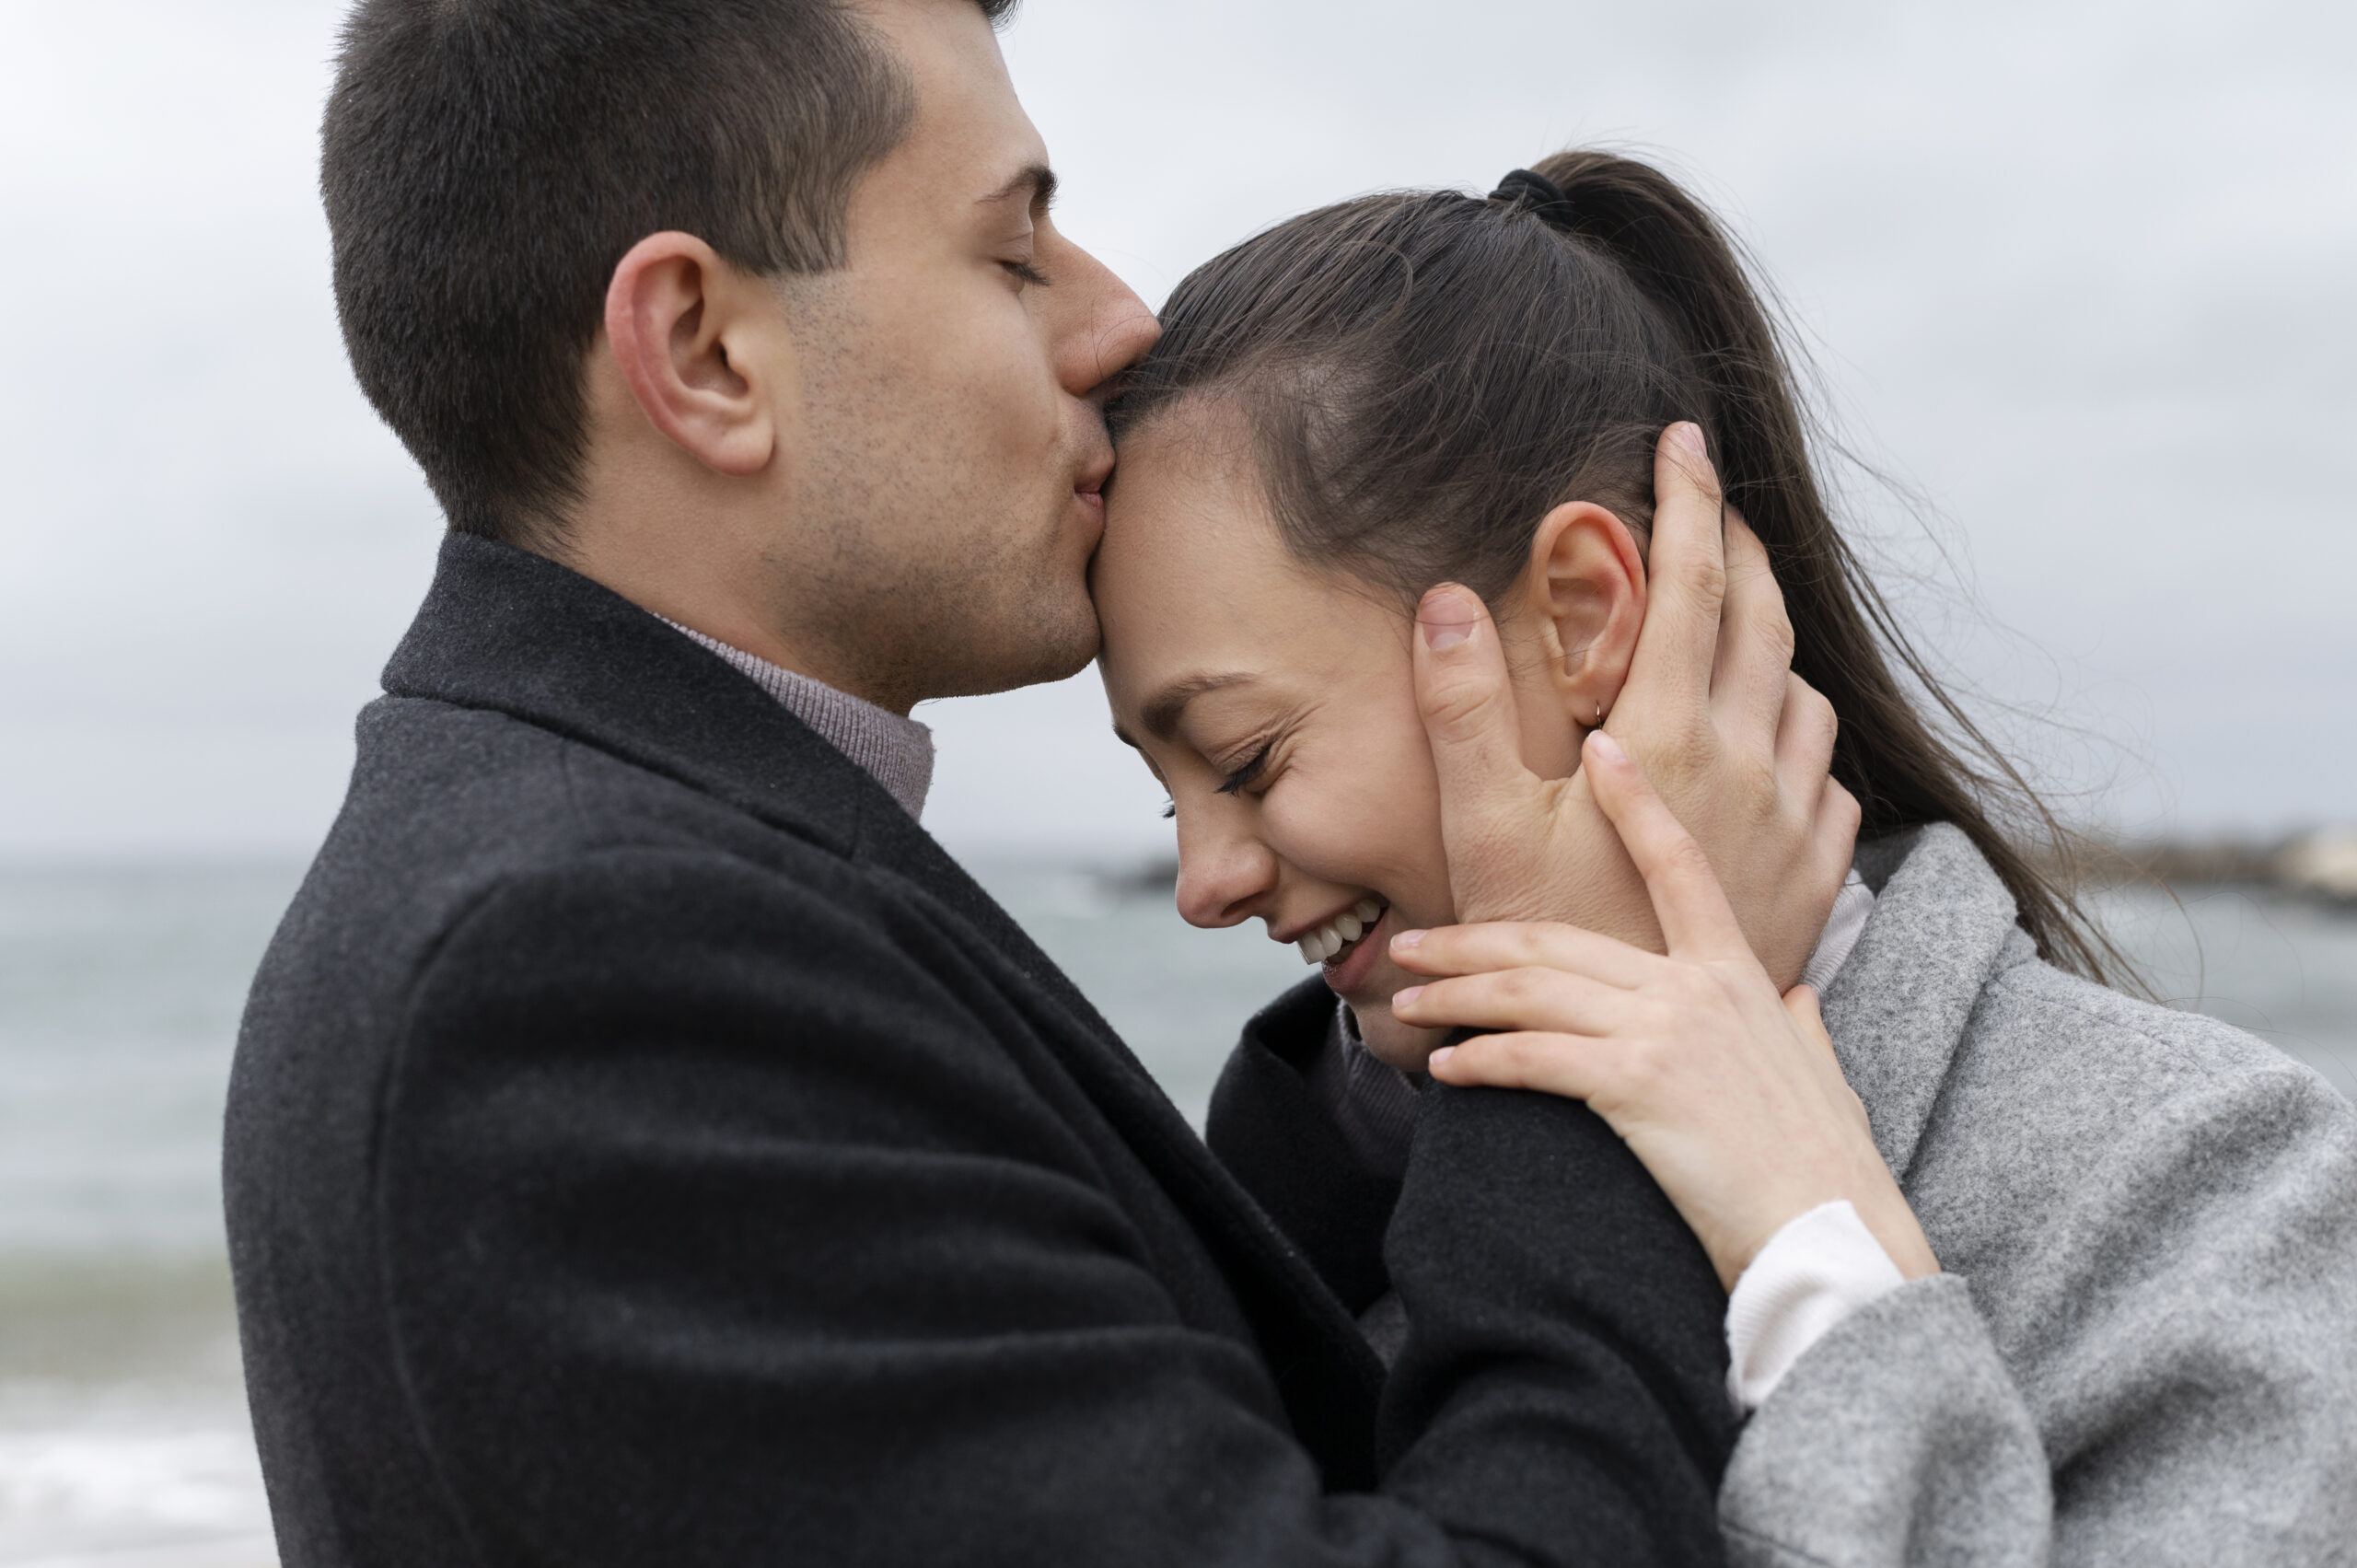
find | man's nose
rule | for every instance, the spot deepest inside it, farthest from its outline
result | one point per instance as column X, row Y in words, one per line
column 1224, row 881
column 1111, row 329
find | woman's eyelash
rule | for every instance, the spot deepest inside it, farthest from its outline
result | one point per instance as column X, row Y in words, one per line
column 1026, row 271
column 1236, row 782
column 1240, row 780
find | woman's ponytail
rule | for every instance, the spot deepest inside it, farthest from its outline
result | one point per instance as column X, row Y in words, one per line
column 1675, row 253
column 1903, row 769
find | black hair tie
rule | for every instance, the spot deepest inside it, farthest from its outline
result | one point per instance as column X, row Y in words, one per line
column 1538, row 195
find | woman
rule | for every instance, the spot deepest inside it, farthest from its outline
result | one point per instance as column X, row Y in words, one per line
column 2146, row 1348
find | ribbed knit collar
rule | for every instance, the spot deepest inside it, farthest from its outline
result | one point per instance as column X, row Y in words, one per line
column 896, row 752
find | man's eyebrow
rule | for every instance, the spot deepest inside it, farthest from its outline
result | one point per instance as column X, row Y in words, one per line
column 1035, row 182
column 1161, row 714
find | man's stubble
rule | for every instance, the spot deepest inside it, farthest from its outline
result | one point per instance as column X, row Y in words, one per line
column 924, row 558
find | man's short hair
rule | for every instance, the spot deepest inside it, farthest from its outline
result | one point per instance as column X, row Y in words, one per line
column 487, row 163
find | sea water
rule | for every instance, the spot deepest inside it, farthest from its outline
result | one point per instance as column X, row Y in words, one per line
column 123, row 1438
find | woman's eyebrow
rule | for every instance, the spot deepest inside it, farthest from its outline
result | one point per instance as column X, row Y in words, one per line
column 1169, row 705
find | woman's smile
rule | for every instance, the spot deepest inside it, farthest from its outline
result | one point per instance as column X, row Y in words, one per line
column 1328, row 941
column 1348, row 967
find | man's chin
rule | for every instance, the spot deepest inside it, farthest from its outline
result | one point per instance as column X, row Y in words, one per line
column 1052, row 653
column 1068, row 662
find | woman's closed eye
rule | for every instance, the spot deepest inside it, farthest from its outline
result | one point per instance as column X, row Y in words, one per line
column 1239, row 779
column 1244, row 777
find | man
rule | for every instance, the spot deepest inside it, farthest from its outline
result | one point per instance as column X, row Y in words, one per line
column 646, row 1145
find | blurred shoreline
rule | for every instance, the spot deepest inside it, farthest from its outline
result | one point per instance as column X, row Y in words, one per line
column 2320, row 865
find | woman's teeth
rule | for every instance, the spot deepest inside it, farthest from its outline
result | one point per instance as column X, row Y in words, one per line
column 1326, row 943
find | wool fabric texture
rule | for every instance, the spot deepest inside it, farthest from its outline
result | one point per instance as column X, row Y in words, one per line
column 2144, row 1349
column 646, row 1145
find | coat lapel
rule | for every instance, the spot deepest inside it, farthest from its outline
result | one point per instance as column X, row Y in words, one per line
column 1331, row 1379
column 515, row 632
column 1900, row 1005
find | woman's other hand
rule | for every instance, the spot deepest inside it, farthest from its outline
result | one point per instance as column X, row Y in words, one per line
column 1729, row 1092
column 1738, row 746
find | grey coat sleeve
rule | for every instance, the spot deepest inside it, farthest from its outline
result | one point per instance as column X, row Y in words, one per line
column 1898, row 1438
column 2174, row 1380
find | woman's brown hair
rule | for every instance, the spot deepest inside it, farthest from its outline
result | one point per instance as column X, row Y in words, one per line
column 1428, row 374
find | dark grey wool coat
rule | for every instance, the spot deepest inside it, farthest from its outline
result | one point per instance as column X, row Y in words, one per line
column 646, row 1146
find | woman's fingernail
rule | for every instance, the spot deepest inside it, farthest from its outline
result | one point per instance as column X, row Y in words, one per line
column 1401, row 998
column 1606, row 748
column 1446, row 617
column 1407, row 939
column 1439, row 1059
column 1690, row 436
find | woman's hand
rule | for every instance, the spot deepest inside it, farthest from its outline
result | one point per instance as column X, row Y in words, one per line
column 1730, row 1094
column 1738, row 746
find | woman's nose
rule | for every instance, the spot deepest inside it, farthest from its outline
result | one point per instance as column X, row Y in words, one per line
column 1223, row 881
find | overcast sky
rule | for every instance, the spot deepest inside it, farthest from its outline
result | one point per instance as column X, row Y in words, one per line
column 2080, row 274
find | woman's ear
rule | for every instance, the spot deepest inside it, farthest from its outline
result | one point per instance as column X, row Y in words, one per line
column 701, row 346
column 1583, row 592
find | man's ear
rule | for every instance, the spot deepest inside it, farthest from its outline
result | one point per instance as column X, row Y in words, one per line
column 1583, row 589
column 701, row 345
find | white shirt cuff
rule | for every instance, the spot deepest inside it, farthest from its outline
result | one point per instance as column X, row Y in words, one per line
column 1811, row 1275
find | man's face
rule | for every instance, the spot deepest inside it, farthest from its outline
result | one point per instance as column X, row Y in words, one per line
column 951, row 453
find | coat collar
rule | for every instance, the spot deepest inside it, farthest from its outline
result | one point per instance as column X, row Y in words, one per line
column 505, row 630
column 1940, row 931
column 515, row 632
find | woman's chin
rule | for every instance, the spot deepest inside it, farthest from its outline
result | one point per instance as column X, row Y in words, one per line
column 1393, row 1043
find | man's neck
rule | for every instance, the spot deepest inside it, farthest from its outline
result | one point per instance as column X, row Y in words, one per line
column 710, row 592
column 894, row 750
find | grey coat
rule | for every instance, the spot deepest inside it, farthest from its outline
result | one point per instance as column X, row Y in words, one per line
column 2145, row 1349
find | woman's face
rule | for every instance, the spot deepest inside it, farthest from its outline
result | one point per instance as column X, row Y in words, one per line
column 1276, row 705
